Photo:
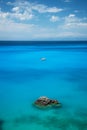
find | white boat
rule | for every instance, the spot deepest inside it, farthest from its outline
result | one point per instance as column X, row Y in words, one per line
column 43, row 59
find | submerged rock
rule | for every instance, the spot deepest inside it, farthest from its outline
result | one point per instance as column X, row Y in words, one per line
column 44, row 102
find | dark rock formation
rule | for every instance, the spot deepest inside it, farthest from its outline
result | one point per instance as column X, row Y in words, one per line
column 43, row 102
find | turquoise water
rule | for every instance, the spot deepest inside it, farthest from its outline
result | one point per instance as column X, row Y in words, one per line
column 24, row 78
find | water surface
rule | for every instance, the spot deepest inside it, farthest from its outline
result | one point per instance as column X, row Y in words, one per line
column 24, row 78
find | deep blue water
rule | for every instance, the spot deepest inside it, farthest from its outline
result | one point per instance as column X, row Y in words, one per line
column 24, row 78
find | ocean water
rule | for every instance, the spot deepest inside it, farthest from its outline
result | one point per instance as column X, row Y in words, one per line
column 24, row 78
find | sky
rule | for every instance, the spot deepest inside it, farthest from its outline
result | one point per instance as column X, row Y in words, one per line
column 54, row 20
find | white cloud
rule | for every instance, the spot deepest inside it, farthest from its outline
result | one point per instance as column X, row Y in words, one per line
column 3, row 15
column 59, row 35
column 54, row 10
column 22, row 16
column 71, row 15
column 16, row 9
column 24, row 10
column 9, row 30
column 76, row 11
column 70, row 18
column 74, row 22
column 71, row 27
column 19, row 31
column 16, row 15
column 21, row 12
column 17, row 27
column 54, row 18
column 41, row 8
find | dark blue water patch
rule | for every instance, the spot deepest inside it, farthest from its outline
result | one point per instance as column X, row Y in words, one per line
column 77, row 74
column 82, row 87
column 24, row 75
column 70, row 74
column 26, row 46
column 17, row 49
column 42, row 43
column 30, row 74
column 20, row 76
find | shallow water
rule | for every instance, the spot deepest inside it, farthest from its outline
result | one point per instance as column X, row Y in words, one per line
column 24, row 78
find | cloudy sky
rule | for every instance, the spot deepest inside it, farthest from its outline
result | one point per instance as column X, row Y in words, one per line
column 43, row 19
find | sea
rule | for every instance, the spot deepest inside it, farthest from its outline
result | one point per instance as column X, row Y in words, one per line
column 24, row 77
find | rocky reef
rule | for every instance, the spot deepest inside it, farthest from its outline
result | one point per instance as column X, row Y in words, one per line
column 44, row 102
